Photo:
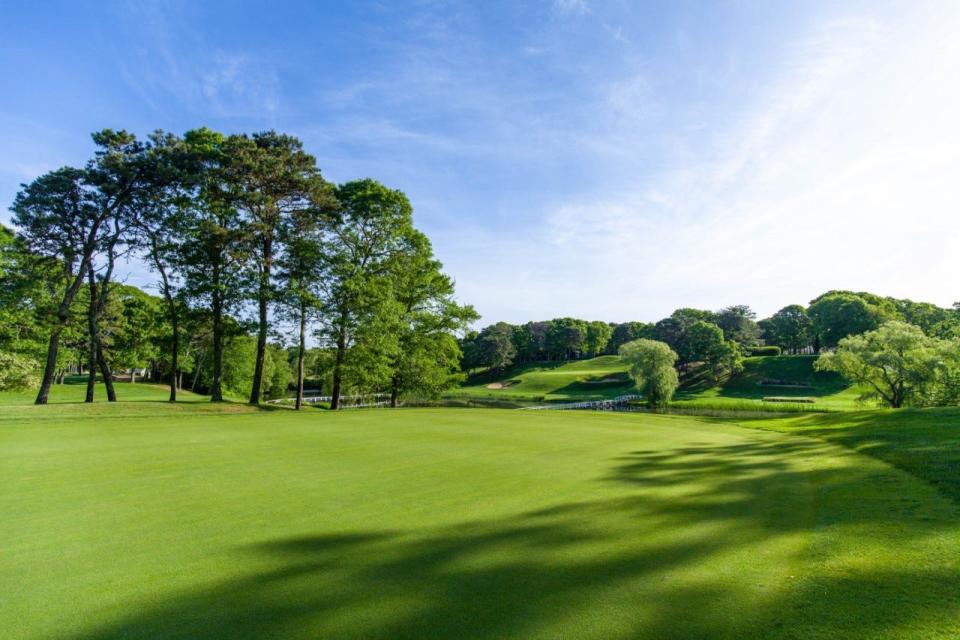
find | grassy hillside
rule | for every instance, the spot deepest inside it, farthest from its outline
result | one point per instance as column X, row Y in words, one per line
column 596, row 379
column 461, row 523
column 782, row 377
column 605, row 377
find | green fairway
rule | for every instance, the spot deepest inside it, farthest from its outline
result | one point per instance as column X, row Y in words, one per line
column 172, row 523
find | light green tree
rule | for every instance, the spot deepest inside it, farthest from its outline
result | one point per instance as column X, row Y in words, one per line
column 428, row 360
column 896, row 363
column 17, row 372
column 651, row 365
column 598, row 335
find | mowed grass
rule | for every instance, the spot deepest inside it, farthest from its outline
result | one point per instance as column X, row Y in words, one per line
column 605, row 377
column 442, row 523
column 828, row 390
column 594, row 379
column 924, row 442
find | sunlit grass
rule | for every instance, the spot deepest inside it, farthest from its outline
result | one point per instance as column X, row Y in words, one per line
column 181, row 522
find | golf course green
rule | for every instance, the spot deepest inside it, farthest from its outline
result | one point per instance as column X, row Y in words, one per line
column 146, row 520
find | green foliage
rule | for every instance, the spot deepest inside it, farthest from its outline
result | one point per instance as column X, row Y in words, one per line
column 17, row 372
column 495, row 346
column 897, row 364
column 628, row 332
column 651, row 365
column 739, row 325
column 427, row 362
column 597, row 336
column 565, row 338
column 771, row 350
column 837, row 315
column 789, row 328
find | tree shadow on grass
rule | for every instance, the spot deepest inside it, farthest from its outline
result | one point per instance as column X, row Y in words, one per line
column 752, row 540
column 923, row 442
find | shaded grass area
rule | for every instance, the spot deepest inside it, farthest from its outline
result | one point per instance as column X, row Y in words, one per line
column 924, row 442
column 462, row 523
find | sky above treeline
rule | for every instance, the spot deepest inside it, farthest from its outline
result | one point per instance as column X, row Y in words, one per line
column 604, row 160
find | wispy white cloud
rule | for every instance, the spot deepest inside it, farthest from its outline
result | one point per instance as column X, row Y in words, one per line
column 842, row 174
column 171, row 59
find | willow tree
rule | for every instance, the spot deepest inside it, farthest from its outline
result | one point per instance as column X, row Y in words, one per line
column 897, row 363
column 652, row 368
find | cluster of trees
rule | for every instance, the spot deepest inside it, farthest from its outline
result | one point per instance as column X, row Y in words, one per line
column 899, row 365
column 242, row 231
column 835, row 315
column 715, row 339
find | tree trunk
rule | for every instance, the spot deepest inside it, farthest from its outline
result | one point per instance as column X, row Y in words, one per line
column 338, row 365
column 263, row 297
column 261, row 350
column 92, row 334
column 196, row 374
column 107, row 374
column 172, row 314
column 174, row 357
column 394, row 392
column 216, row 389
column 301, row 351
column 53, row 346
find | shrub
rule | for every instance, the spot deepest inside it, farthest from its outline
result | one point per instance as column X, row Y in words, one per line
column 771, row 350
column 17, row 372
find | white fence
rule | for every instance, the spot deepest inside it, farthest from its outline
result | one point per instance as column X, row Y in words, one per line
column 346, row 402
column 596, row 405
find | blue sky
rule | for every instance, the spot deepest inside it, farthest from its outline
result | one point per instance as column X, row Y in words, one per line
column 606, row 160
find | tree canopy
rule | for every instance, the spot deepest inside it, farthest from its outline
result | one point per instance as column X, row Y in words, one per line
column 896, row 363
column 651, row 366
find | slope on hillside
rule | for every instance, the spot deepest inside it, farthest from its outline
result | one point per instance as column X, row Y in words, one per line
column 594, row 379
column 780, row 379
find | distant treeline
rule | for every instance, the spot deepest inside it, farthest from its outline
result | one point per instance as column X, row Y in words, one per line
column 717, row 338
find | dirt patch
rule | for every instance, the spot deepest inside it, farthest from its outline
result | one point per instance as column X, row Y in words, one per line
column 501, row 385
